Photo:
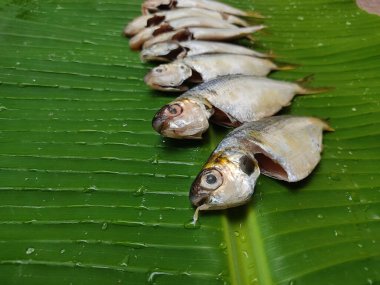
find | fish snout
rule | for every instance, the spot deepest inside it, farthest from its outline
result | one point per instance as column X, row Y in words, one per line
column 198, row 198
column 197, row 195
column 159, row 121
column 148, row 78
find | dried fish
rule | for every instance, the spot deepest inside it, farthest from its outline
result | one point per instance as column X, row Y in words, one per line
column 283, row 147
column 228, row 101
column 152, row 6
column 138, row 40
column 171, row 50
column 210, row 34
column 144, row 21
column 177, row 75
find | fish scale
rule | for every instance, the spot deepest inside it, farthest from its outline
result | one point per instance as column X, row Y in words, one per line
column 283, row 147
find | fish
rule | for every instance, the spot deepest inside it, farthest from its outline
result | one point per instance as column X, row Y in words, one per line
column 210, row 34
column 286, row 148
column 141, row 22
column 138, row 40
column 228, row 101
column 171, row 50
column 152, row 6
column 179, row 74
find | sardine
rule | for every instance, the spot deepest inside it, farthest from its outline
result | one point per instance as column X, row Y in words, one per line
column 171, row 50
column 177, row 75
column 209, row 34
column 287, row 148
column 138, row 40
column 152, row 6
column 228, row 101
column 144, row 21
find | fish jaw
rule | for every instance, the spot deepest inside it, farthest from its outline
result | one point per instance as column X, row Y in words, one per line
column 182, row 119
column 163, row 51
column 235, row 173
column 136, row 26
column 169, row 77
column 151, row 6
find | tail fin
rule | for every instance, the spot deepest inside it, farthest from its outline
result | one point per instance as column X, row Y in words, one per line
column 327, row 127
column 302, row 82
column 253, row 14
column 270, row 54
column 247, row 31
column 286, row 66
column 324, row 123
column 252, row 29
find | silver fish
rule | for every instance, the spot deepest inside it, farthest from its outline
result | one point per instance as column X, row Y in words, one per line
column 227, row 101
column 152, row 6
column 175, row 76
column 138, row 24
column 171, row 50
column 210, row 34
column 284, row 147
column 138, row 40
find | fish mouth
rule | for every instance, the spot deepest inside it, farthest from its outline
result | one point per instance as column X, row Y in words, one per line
column 148, row 79
column 197, row 195
column 198, row 201
column 159, row 122
column 147, row 57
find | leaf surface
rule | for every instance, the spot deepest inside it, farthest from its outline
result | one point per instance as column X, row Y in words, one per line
column 90, row 194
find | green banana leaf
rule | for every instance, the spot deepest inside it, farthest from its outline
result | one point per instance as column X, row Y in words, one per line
column 90, row 194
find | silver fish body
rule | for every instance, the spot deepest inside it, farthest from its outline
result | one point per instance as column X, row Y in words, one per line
column 228, row 101
column 152, row 6
column 244, row 98
column 171, row 50
column 210, row 34
column 174, row 76
column 144, row 21
column 138, row 40
column 283, row 147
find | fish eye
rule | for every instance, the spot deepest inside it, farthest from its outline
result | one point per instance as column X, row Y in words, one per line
column 158, row 69
column 211, row 179
column 182, row 67
column 173, row 110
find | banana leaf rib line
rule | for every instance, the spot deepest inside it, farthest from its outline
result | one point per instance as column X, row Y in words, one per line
column 330, row 265
column 112, row 243
column 200, row 275
column 55, row 157
column 321, row 227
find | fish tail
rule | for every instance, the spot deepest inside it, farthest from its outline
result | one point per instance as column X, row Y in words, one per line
column 254, row 14
column 286, row 66
column 251, row 38
column 252, row 29
column 304, row 90
column 325, row 125
column 270, row 54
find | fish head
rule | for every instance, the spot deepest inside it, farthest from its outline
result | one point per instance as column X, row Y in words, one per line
column 227, row 180
column 152, row 6
column 169, row 77
column 182, row 119
column 163, row 51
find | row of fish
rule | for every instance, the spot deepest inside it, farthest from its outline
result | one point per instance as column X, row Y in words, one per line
column 225, row 84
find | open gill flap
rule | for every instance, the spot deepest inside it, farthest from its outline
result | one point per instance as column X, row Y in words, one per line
column 221, row 118
column 167, row 6
column 164, row 28
column 195, row 77
column 155, row 20
column 182, row 35
column 179, row 52
column 268, row 166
